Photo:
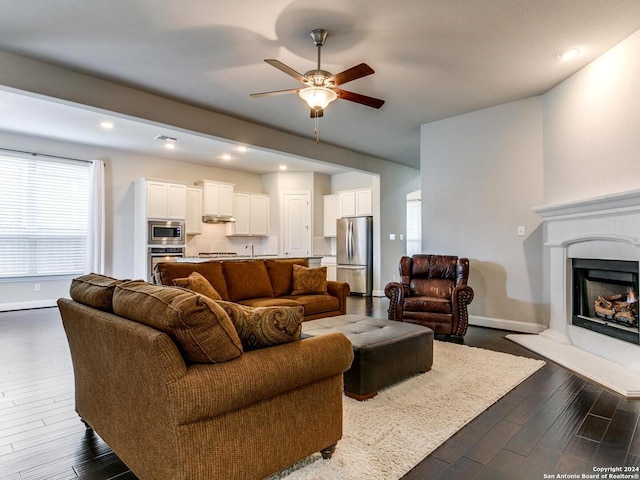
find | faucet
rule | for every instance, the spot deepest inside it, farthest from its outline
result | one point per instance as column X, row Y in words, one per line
column 250, row 246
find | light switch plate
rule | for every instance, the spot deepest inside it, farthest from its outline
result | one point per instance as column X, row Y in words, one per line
column 392, row 236
column 521, row 231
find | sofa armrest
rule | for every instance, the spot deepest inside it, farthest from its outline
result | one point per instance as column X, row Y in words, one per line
column 258, row 375
column 340, row 290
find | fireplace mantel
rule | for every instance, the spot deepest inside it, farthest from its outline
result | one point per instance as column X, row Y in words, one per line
column 603, row 227
column 628, row 201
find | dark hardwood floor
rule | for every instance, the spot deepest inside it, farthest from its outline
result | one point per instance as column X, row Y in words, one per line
column 553, row 423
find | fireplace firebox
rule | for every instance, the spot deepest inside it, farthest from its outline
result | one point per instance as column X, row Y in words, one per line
column 604, row 297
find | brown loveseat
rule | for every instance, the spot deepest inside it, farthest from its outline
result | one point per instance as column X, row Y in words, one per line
column 161, row 375
column 259, row 283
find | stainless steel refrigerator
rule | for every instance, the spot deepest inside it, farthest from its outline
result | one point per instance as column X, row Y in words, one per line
column 354, row 248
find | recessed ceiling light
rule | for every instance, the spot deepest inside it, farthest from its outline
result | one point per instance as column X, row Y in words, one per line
column 282, row 167
column 242, row 148
column 568, row 54
column 107, row 124
column 169, row 145
column 225, row 156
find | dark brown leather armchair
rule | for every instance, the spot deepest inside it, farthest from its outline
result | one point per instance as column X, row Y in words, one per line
column 433, row 292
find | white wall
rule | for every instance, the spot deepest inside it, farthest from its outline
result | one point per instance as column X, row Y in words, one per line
column 481, row 175
column 592, row 128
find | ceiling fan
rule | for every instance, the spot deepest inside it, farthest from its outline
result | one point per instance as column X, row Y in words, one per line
column 321, row 87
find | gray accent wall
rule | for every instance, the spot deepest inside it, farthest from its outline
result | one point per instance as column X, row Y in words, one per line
column 481, row 173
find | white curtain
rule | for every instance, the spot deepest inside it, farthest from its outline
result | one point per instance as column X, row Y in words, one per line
column 96, row 219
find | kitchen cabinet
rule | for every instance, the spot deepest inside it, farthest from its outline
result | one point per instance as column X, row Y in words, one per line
column 364, row 202
column 217, row 198
column 330, row 263
column 347, row 204
column 161, row 200
column 193, row 221
column 251, row 212
column 356, row 203
column 330, row 205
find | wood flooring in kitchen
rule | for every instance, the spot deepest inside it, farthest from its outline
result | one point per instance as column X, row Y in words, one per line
column 553, row 423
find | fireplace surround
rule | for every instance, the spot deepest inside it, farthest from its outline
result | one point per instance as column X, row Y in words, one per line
column 597, row 236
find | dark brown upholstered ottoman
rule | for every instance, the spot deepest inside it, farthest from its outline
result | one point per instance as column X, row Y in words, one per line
column 385, row 351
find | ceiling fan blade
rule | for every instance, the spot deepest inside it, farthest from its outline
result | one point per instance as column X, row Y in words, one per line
column 316, row 113
column 286, row 69
column 275, row 92
column 358, row 98
column 351, row 74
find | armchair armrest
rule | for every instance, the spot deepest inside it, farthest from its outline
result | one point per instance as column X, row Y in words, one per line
column 395, row 292
column 341, row 291
column 461, row 297
column 257, row 375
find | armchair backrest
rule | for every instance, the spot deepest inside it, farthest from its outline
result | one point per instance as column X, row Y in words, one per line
column 433, row 275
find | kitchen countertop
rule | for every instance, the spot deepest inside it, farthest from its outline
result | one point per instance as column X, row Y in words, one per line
column 238, row 257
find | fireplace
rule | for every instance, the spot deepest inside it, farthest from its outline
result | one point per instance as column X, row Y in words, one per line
column 593, row 253
column 604, row 297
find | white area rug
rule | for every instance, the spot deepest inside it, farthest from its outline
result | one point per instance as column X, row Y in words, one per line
column 388, row 435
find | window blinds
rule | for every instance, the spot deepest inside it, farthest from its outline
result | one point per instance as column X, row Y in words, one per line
column 414, row 227
column 43, row 216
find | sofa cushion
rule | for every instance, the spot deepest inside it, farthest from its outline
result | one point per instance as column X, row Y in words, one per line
column 94, row 290
column 269, row 302
column 166, row 272
column 247, row 279
column 199, row 284
column 313, row 304
column 428, row 304
column 260, row 327
column 281, row 274
column 199, row 326
column 308, row 281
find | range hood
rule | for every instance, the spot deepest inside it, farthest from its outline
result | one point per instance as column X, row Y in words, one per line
column 218, row 219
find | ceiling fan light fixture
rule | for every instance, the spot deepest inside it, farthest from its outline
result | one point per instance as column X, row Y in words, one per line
column 317, row 97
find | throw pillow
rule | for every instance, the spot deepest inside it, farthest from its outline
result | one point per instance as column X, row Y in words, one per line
column 94, row 290
column 198, row 325
column 197, row 283
column 260, row 327
column 308, row 281
column 281, row 274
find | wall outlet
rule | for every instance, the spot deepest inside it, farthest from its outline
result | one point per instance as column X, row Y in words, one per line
column 401, row 236
column 36, row 287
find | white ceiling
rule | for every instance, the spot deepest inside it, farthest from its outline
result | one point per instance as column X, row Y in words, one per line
column 433, row 59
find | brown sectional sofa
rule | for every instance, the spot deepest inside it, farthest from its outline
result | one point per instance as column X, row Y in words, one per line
column 161, row 375
column 259, row 283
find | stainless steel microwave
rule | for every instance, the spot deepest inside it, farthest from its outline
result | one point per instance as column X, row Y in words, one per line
column 166, row 233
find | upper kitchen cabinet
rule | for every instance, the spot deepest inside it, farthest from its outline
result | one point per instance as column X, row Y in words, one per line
column 193, row 222
column 164, row 200
column 330, row 214
column 217, row 199
column 251, row 212
column 356, row 203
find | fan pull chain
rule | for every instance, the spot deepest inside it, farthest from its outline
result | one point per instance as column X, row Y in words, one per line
column 315, row 127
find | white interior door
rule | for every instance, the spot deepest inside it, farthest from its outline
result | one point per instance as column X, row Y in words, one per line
column 296, row 224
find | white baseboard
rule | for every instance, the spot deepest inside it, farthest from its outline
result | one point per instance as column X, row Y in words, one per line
column 377, row 293
column 504, row 324
column 7, row 307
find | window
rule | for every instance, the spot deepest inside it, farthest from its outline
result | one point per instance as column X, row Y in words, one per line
column 414, row 227
column 43, row 216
